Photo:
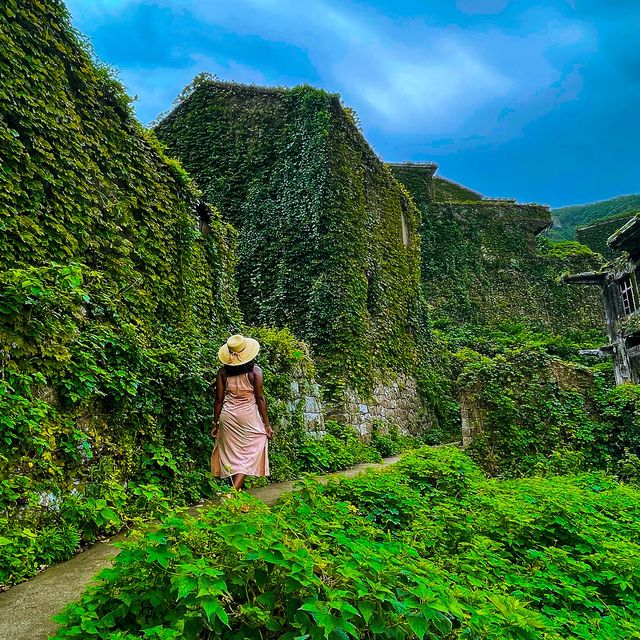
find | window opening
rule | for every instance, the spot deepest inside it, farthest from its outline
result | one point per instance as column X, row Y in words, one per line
column 626, row 292
column 405, row 230
column 204, row 216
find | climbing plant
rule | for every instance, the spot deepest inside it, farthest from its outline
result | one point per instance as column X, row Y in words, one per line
column 543, row 414
column 482, row 264
column 116, row 288
column 320, row 221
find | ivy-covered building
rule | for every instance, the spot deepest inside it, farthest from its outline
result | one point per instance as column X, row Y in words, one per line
column 328, row 240
column 596, row 235
column 354, row 255
column 619, row 281
column 484, row 261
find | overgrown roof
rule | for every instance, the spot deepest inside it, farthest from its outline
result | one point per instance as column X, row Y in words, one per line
column 627, row 238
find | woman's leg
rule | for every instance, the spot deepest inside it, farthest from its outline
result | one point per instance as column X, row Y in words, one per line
column 238, row 480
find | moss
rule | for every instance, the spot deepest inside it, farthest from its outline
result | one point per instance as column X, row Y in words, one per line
column 631, row 325
column 449, row 191
column 595, row 236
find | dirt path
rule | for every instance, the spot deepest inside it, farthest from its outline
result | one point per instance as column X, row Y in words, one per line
column 26, row 609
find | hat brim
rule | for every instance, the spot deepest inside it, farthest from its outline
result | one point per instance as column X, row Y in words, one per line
column 250, row 351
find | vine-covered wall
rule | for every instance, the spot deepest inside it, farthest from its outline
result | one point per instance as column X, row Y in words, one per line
column 482, row 263
column 447, row 191
column 328, row 241
column 117, row 286
column 528, row 411
column 595, row 236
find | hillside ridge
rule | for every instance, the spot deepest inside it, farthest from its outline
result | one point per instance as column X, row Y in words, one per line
column 566, row 220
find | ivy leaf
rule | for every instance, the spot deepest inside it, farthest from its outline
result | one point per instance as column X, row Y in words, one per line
column 213, row 609
column 161, row 555
column 418, row 625
column 366, row 609
column 186, row 585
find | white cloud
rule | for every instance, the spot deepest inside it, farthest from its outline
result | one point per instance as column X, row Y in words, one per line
column 439, row 82
column 404, row 76
column 439, row 87
column 415, row 76
column 161, row 87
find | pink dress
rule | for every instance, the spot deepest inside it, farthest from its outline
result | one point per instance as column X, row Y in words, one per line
column 242, row 445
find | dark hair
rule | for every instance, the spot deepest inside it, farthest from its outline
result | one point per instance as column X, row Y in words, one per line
column 247, row 367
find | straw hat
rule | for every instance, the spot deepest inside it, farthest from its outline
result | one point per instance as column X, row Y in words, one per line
column 238, row 350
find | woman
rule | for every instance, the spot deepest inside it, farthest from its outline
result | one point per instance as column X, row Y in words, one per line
column 240, row 420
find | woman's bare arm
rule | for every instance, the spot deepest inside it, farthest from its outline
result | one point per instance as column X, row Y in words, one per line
column 220, row 383
column 258, row 387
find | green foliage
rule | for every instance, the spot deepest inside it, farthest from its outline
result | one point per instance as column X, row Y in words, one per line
column 387, row 440
column 491, row 341
column 447, row 191
column 563, row 249
column 320, row 219
column 482, row 265
column 543, row 414
column 117, row 286
column 426, row 549
column 340, row 448
column 567, row 219
column 114, row 297
column 72, row 476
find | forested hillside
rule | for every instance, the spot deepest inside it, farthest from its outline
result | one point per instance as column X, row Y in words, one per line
column 567, row 219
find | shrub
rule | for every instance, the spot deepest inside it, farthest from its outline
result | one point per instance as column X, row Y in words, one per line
column 446, row 470
column 551, row 558
column 340, row 448
column 387, row 439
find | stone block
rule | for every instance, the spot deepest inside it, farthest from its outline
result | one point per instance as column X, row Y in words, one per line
column 311, row 404
column 314, row 421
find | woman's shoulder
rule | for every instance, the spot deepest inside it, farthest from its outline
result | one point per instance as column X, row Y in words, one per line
column 256, row 374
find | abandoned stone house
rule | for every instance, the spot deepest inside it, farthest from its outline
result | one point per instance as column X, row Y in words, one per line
column 620, row 284
column 349, row 236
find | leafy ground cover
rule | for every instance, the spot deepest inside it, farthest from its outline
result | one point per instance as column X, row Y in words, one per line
column 429, row 548
column 54, row 526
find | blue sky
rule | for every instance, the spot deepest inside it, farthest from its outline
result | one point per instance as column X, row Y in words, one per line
column 536, row 101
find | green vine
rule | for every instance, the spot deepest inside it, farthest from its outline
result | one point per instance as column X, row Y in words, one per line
column 320, row 222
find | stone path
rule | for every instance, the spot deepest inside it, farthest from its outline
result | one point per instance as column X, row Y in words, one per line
column 26, row 609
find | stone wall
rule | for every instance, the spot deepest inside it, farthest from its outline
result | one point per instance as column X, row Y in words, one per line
column 394, row 400
column 306, row 394
column 472, row 414
column 473, row 411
